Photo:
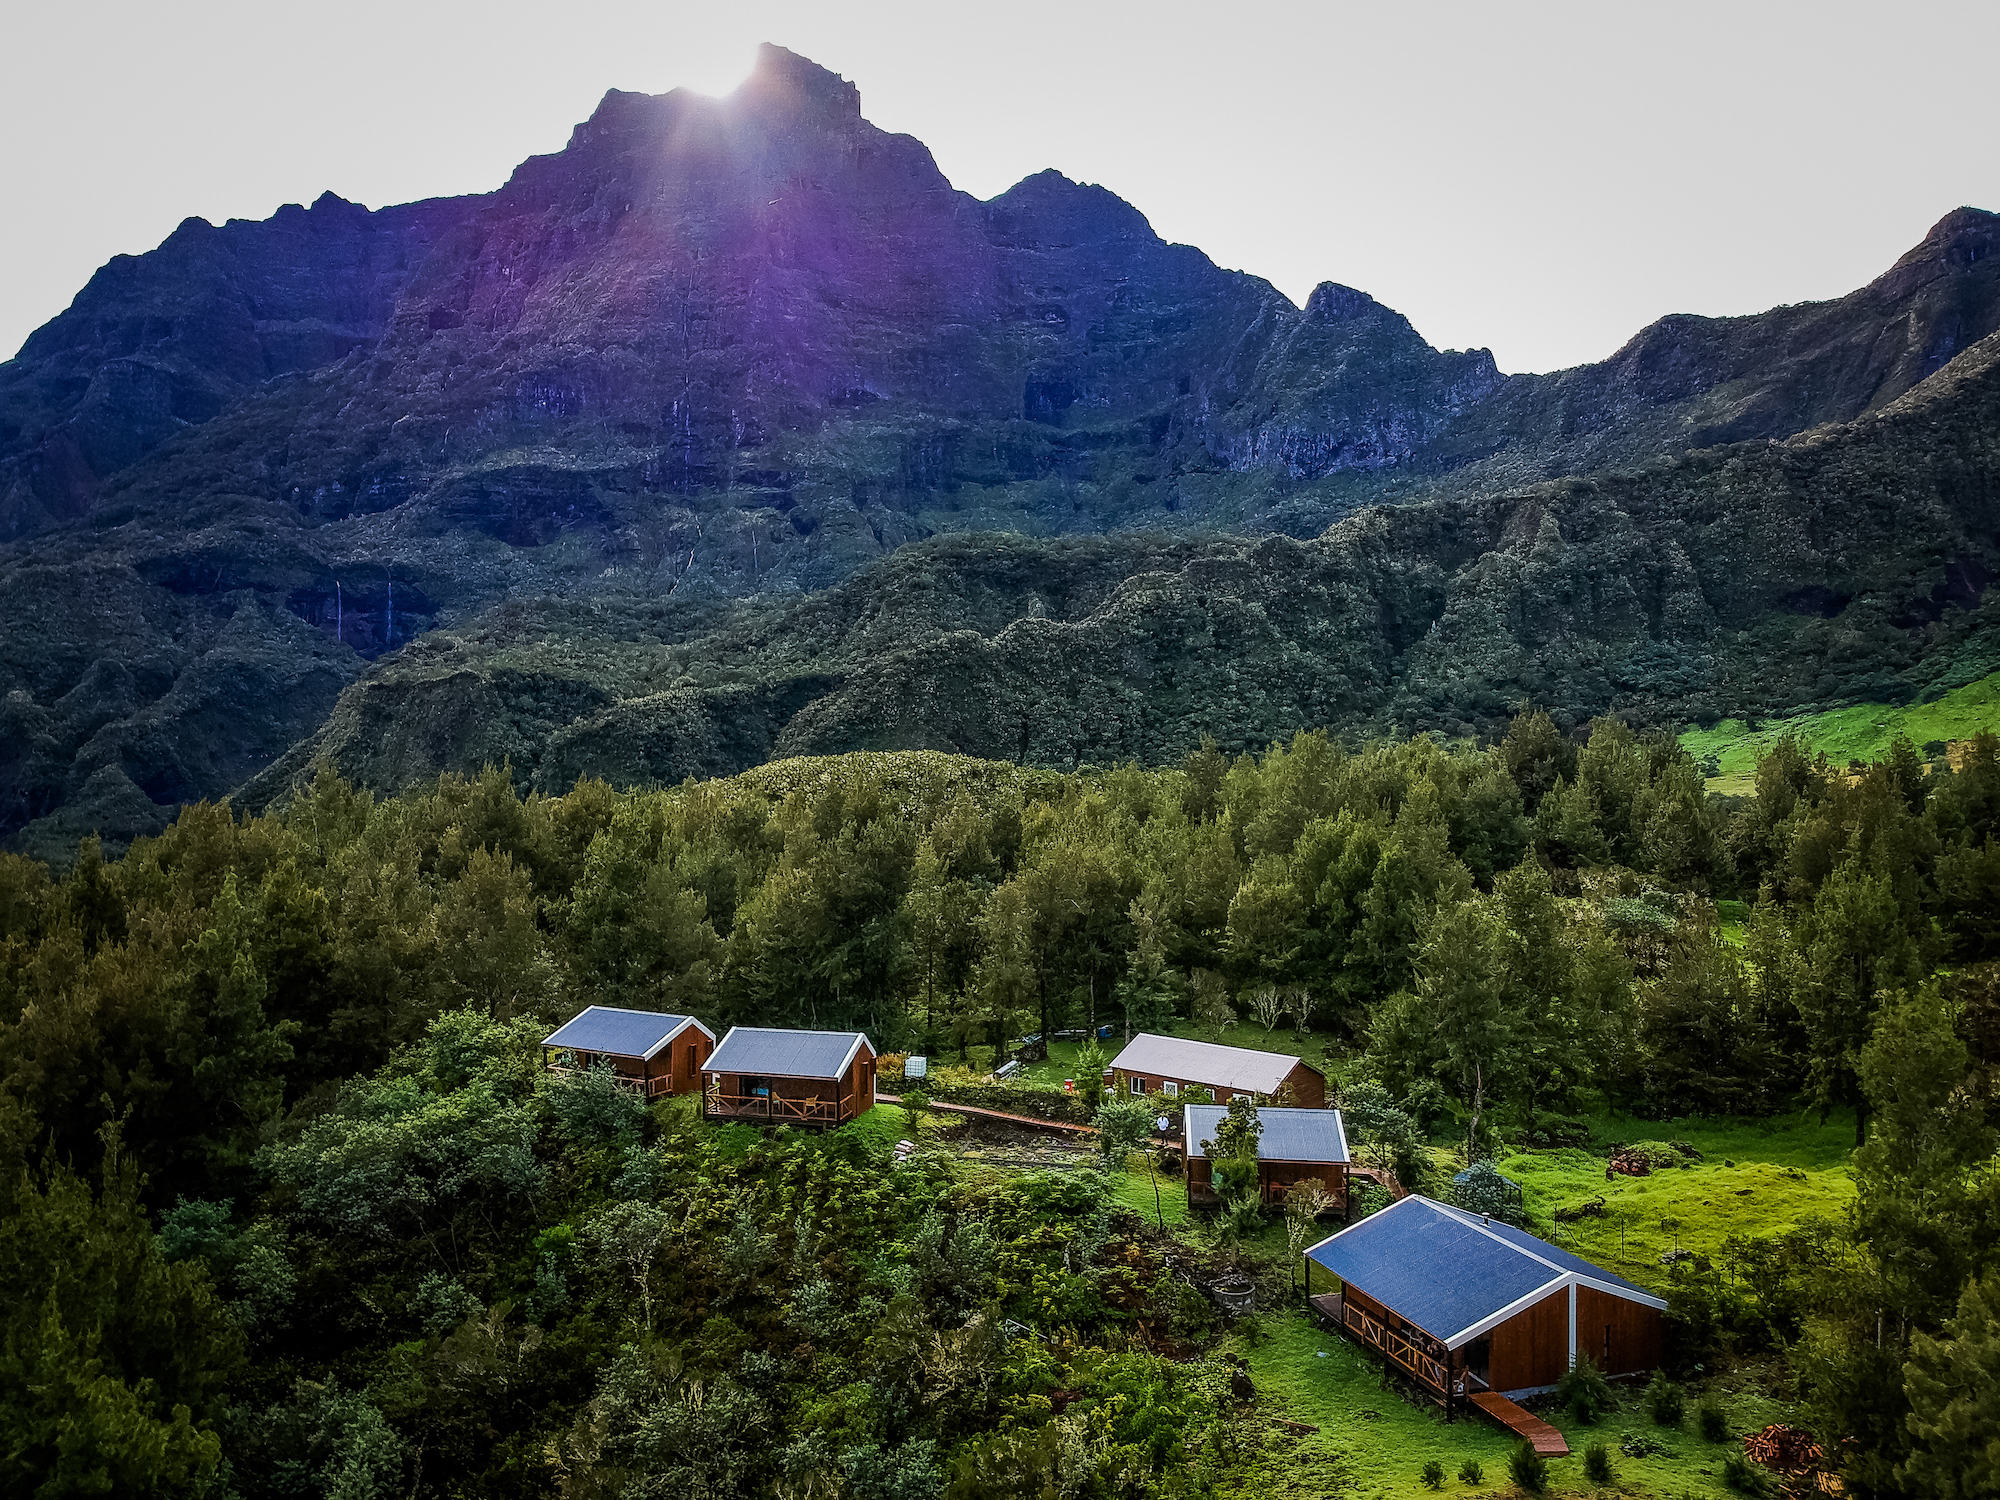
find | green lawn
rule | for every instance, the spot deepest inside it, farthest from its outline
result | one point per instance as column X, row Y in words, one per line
column 1863, row 732
column 1134, row 1189
column 1784, row 1172
column 1372, row 1442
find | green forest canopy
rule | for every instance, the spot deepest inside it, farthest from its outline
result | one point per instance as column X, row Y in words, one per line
column 291, row 1208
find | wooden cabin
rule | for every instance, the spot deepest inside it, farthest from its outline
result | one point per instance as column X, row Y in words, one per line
column 650, row 1051
column 773, row 1077
column 1295, row 1145
column 1171, row 1066
column 1472, row 1309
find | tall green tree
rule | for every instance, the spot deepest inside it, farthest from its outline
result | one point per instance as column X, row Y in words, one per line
column 1953, row 1382
column 113, row 1363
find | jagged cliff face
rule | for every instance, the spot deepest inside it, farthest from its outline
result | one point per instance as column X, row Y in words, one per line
column 726, row 348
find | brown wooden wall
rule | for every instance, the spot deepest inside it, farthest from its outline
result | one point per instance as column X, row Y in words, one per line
column 682, row 1060
column 1352, row 1293
column 670, row 1064
column 853, row 1090
column 861, row 1082
column 1308, row 1087
column 1276, row 1177
column 1279, row 1176
column 1532, row 1347
column 1619, row 1337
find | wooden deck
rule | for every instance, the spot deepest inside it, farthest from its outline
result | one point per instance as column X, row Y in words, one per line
column 651, row 1088
column 776, row 1110
column 1370, row 1333
column 1545, row 1438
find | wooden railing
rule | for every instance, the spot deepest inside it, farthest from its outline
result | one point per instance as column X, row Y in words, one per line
column 1400, row 1350
column 651, row 1088
column 774, row 1109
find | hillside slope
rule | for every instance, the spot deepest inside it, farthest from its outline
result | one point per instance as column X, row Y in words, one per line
column 1756, row 579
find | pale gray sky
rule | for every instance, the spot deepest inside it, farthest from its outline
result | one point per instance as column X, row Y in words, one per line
column 1541, row 179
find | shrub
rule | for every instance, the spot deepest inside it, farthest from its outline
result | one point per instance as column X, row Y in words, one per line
column 1666, row 1401
column 592, row 1105
column 1238, row 1221
column 1470, row 1472
column 1585, row 1391
column 1371, row 1200
column 1641, row 1445
column 442, row 1303
column 1122, row 1128
column 1659, row 1155
column 1713, row 1424
column 1746, row 1478
column 1043, row 1101
column 1434, row 1474
column 1485, row 1191
column 1529, row 1468
column 1597, row 1464
column 1551, row 1132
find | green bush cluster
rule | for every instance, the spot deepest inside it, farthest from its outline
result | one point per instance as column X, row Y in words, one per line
column 1530, row 1470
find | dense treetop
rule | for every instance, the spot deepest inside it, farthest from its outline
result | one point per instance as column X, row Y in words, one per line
column 275, row 1079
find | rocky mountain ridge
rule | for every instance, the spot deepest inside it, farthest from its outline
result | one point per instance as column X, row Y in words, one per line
column 725, row 349
column 1849, row 564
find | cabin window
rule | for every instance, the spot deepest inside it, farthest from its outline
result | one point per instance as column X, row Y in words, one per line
column 694, row 1060
column 1173, row 1089
column 760, row 1087
column 1138, row 1085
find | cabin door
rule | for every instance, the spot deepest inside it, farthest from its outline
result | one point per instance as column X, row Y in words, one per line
column 1478, row 1355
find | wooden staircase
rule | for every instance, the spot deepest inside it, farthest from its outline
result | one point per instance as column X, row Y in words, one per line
column 1545, row 1438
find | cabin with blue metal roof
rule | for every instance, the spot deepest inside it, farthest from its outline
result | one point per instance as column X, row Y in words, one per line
column 1472, row 1309
column 649, row 1051
column 1294, row 1146
column 774, row 1076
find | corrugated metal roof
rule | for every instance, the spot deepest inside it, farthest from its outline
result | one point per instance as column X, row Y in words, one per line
column 1288, row 1134
column 1451, row 1273
column 627, row 1033
column 768, row 1052
column 1206, row 1062
column 1533, row 1246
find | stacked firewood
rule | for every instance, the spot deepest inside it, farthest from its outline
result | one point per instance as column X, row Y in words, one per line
column 1785, row 1449
column 1795, row 1455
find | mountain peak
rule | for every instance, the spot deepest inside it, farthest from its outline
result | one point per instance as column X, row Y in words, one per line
column 1958, row 240
column 1331, row 302
column 784, row 82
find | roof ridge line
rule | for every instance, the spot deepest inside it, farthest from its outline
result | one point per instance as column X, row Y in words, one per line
column 1465, row 1217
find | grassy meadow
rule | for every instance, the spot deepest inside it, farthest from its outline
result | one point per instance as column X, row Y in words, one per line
column 1862, row 732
